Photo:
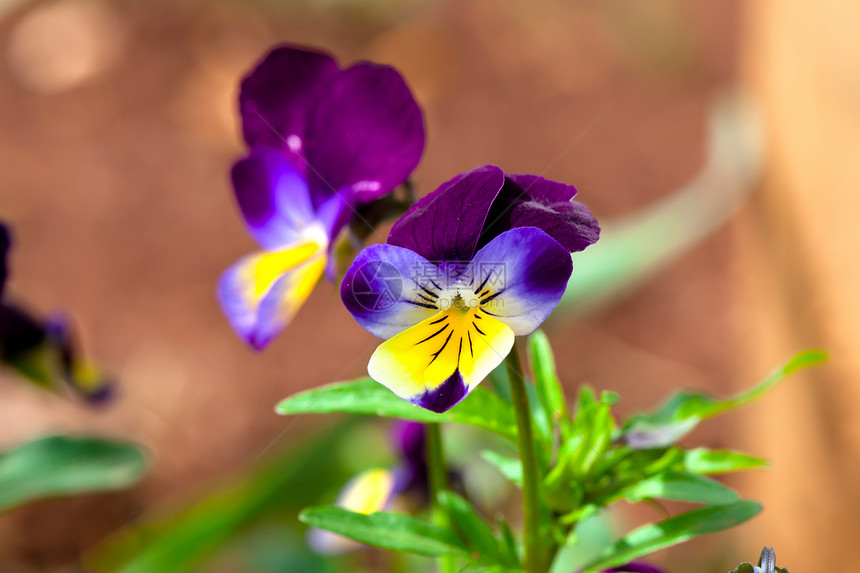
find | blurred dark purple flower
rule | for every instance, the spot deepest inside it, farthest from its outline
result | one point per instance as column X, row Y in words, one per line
column 43, row 350
column 323, row 142
column 484, row 258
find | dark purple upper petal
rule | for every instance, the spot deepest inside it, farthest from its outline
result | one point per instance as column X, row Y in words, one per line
column 532, row 201
column 275, row 98
column 273, row 197
column 446, row 224
column 571, row 223
column 541, row 189
column 365, row 133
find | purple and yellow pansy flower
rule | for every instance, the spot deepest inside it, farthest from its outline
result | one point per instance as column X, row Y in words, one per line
column 484, row 258
column 404, row 486
column 323, row 141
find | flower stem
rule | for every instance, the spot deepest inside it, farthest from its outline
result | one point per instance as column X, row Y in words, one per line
column 438, row 474
column 528, row 458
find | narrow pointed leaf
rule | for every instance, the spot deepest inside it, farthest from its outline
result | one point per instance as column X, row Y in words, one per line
column 678, row 529
column 391, row 531
column 705, row 461
column 481, row 408
column 472, row 528
column 681, row 487
column 548, row 386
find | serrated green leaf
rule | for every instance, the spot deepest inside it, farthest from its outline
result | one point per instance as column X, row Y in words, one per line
column 677, row 529
column 481, row 408
column 509, row 467
column 549, row 389
column 680, row 487
column 705, row 461
column 684, row 410
column 392, row 531
column 472, row 528
column 66, row 465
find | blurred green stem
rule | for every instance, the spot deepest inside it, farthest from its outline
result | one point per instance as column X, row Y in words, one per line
column 528, row 458
column 438, row 470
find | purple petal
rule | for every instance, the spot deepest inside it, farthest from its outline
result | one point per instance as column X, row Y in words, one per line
column 366, row 133
column 635, row 567
column 446, row 224
column 410, row 440
column 532, row 201
column 520, row 277
column 388, row 289
column 276, row 97
column 335, row 214
column 571, row 224
column 273, row 197
column 441, row 399
column 262, row 292
column 541, row 189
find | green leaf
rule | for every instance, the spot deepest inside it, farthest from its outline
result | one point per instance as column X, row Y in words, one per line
column 681, row 487
column 66, row 465
column 507, row 543
column 481, row 408
column 705, row 461
column 509, row 467
column 178, row 539
column 684, row 410
column 678, row 529
column 471, row 526
column 391, row 531
column 548, row 386
column 744, row 568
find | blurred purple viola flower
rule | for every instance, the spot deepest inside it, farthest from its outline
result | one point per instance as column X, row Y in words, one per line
column 44, row 350
column 484, row 258
column 403, row 486
column 323, row 142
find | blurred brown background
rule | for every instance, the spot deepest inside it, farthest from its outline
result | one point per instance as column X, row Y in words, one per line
column 118, row 128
